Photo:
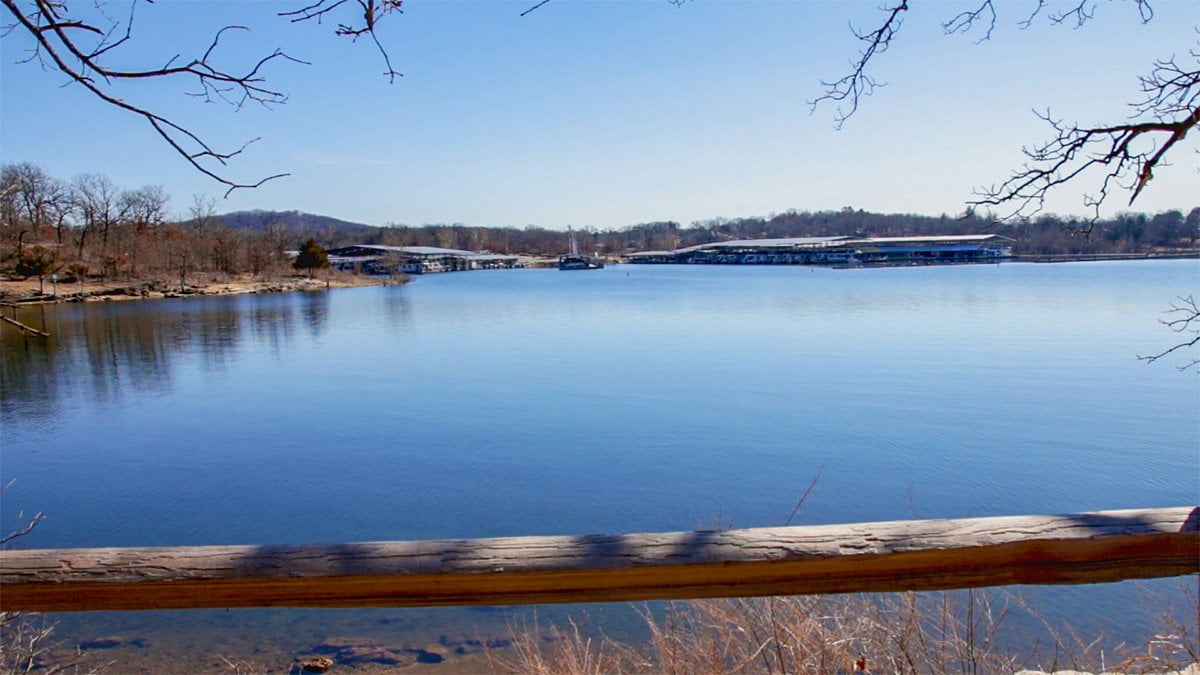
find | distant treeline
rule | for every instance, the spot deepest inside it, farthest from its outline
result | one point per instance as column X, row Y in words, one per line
column 1126, row 233
column 88, row 226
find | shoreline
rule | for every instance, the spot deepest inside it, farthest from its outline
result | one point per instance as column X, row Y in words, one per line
column 1090, row 257
column 25, row 292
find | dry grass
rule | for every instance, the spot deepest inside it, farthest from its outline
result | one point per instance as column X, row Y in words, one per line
column 901, row 633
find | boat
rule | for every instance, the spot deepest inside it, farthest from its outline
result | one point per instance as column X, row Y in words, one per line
column 576, row 260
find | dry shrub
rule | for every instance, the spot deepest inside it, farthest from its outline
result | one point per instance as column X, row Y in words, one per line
column 26, row 646
column 957, row 632
column 568, row 651
column 894, row 633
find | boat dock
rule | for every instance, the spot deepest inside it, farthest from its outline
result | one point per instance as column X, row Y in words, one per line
column 378, row 259
column 842, row 250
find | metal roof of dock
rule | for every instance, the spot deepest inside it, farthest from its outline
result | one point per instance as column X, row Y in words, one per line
column 827, row 242
column 423, row 251
column 928, row 239
column 786, row 242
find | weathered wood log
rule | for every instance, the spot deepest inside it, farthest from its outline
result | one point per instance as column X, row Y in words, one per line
column 18, row 324
column 889, row 556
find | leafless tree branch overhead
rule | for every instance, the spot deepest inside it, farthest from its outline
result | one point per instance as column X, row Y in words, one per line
column 1183, row 318
column 373, row 11
column 75, row 44
column 77, row 41
column 1119, row 156
column 1123, row 156
column 846, row 91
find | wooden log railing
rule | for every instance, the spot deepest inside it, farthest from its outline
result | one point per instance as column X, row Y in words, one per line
column 889, row 556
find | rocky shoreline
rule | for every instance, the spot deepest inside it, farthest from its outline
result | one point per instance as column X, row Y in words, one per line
column 26, row 292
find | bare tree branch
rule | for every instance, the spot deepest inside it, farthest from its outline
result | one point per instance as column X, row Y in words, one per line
column 29, row 524
column 858, row 83
column 1085, row 10
column 25, row 529
column 1184, row 318
column 966, row 20
column 1124, row 155
column 534, row 7
column 57, row 48
column 373, row 11
column 1032, row 15
column 75, row 44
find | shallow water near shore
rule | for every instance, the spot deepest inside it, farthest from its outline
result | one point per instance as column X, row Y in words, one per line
column 628, row 399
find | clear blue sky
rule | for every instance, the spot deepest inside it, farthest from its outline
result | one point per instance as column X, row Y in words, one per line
column 604, row 114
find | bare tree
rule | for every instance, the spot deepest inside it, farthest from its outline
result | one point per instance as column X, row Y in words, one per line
column 202, row 214
column 393, row 262
column 179, row 254
column 32, row 200
column 98, row 201
column 146, row 207
column 1119, row 156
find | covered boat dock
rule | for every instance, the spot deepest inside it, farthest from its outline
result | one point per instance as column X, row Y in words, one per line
column 380, row 259
column 841, row 250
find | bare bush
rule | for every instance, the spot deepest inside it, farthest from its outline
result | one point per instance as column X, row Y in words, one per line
column 958, row 632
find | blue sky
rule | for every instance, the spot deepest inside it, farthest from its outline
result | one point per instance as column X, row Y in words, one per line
column 607, row 113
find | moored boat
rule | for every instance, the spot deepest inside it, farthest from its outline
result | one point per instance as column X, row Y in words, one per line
column 576, row 260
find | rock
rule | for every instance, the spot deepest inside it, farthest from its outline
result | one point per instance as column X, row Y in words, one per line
column 316, row 664
column 102, row 643
column 354, row 651
column 357, row 652
column 364, row 654
column 426, row 656
column 466, row 645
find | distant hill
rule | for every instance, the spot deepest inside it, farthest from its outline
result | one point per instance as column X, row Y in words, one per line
column 258, row 220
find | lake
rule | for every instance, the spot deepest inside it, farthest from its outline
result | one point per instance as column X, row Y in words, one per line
column 628, row 399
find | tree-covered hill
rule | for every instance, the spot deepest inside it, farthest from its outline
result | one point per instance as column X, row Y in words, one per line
column 259, row 220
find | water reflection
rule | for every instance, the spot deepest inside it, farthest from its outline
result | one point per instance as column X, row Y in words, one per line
column 272, row 324
column 394, row 308
column 103, row 353
column 315, row 308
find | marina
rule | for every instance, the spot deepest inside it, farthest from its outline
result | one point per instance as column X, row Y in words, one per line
column 833, row 251
column 843, row 250
column 379, row 259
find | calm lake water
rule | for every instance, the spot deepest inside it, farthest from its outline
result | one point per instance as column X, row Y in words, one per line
column 634, row 398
